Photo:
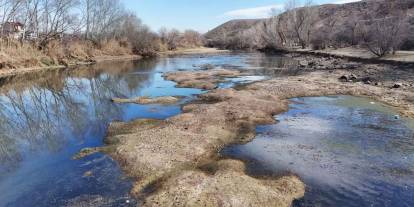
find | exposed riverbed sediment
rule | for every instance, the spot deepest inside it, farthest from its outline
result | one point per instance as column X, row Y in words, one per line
column 176, row 162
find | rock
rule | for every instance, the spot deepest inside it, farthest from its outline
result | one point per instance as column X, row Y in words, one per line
column 312, row 63
column 351, row 66
column 343, row 78
column 87, row 174
column 397, row 85
column 303, row 64
column 353, row 77
column 367, row 80
column 350, row 78
column 206, row 66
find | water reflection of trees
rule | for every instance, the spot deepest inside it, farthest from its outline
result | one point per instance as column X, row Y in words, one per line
column 274, row 65
column 46, row 111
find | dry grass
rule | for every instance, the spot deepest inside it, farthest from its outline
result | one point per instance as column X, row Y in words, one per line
column 16, row 55
column 115, row 48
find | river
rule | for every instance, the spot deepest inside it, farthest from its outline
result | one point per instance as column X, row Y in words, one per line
column 46, row 118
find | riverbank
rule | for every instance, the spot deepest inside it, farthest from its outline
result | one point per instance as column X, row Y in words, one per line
column 180, row 154
column 361, row 55
column 9, row 72
column 194, row 51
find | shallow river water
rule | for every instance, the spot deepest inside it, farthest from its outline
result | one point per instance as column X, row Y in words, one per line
column 48, row 117
column 344, row 148
column 349, row 151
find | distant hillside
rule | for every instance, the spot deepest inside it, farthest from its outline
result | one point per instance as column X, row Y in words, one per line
column 232, row 29
column 254, row 34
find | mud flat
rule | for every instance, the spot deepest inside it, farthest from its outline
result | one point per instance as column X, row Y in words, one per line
column 206, row 80
column 322, row 83
column 165, row 100
column 176, row 162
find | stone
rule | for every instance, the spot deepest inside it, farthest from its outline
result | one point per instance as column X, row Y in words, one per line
column 397, row 85
column 343, row 78
column 367, row 80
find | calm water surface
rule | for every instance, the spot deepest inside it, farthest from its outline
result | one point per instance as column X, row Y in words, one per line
column 349, row 151
column 46, row 118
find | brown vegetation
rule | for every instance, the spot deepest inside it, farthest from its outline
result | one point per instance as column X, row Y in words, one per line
column 39, row 33
column 174, row 39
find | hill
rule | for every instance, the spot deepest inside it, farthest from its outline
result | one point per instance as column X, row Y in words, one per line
column 335, row 21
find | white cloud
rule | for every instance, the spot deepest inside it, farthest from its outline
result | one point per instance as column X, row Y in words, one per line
column 344, row 1
column 253, row 13
column 265, row 11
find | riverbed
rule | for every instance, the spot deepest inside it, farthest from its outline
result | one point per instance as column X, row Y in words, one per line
column 46, row 119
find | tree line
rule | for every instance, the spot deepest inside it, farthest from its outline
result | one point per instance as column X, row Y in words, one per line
column 96, row 21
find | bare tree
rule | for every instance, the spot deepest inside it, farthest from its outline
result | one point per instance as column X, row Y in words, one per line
column 163, row 34
column 300, row 20
column 384, row 34
column 192, row 38
column 173, row 39
column 58, row 17
column 9, row 10
column 102, row 18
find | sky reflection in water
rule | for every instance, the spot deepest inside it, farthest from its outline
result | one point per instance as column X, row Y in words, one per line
column 46, row 118
column 349, row 151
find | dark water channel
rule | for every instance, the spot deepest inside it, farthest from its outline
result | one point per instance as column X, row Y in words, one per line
column 48, row 117
column 349, row 151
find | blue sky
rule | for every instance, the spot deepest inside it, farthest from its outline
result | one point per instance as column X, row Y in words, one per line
column 202, row 15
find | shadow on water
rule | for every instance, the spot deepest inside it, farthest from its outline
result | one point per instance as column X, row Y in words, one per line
column 45, row 118
column 349, row 151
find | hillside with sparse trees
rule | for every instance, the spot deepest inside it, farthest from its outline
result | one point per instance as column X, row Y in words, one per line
column 379, row 26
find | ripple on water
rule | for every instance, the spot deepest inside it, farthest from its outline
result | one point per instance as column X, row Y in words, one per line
column 349, row 151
